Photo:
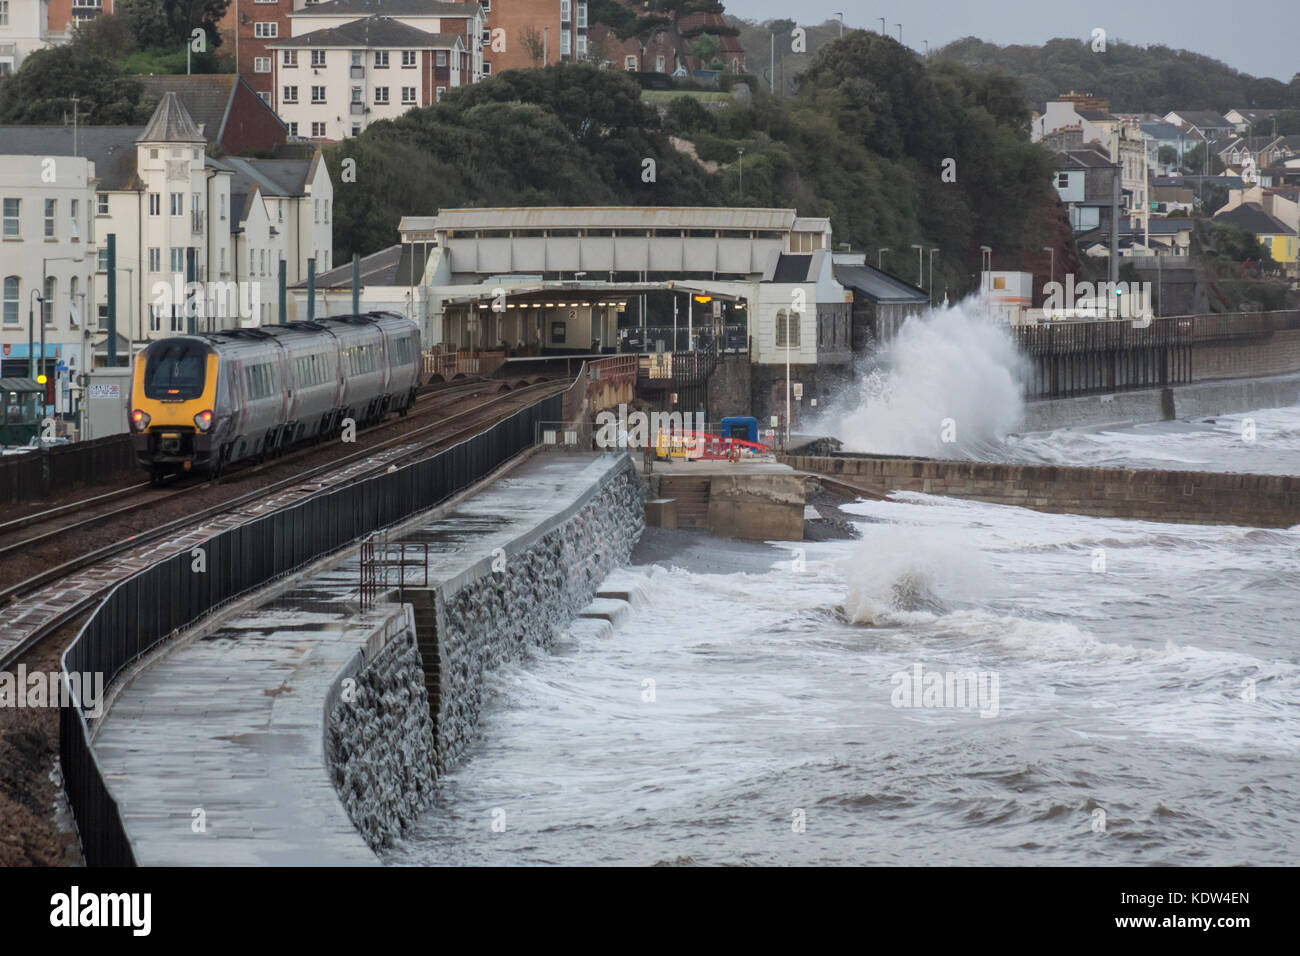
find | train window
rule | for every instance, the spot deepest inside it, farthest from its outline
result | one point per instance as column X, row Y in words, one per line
column 175, row 371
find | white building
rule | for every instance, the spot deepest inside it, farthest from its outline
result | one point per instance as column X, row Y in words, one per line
column 467, row 20
column 175, row 213
column 24, row 28
column 47, row 267
column 334, row 82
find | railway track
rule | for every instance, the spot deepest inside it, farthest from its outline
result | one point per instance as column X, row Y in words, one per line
column 145, row 495
column 408, row 444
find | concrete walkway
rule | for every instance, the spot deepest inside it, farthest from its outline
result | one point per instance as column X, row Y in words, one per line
column 232, row 723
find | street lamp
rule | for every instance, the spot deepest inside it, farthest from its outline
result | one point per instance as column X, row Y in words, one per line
column 882, row 25
column 841, row 16
column 927, row 47
column 31, row 333
column 740, row 150
column 920, row 267
column 986, row 254
column 879, row 253
column 1051, row 261
column 900, row 32
column 932, row 252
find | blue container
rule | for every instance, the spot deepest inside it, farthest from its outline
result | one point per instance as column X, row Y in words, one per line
column 744, row 427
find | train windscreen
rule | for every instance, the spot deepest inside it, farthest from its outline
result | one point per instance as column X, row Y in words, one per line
column 175, row 371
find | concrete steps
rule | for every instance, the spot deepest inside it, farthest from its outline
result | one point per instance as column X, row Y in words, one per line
column 692, row 497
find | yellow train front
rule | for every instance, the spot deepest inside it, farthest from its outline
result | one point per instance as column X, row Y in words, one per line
column 173, row 402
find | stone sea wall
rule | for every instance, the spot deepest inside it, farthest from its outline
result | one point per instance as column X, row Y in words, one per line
column 385, row 744
column 487, row 616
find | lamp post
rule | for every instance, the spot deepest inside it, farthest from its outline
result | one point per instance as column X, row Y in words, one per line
column 932, row 252
column 1051, row 269
column 882, row 25
column 920, row 267
column 31, row 332
column 900, row 32
column 740, row 151
column 927, row 48
column 841, row 16
column 879, row 253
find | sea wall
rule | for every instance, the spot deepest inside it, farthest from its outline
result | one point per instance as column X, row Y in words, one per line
column 1269, row 501
column 388, row 734
column 520, row 598
column 379, row 745
column 1199, row 400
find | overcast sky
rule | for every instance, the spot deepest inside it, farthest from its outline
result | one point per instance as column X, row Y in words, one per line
column 1261, row 38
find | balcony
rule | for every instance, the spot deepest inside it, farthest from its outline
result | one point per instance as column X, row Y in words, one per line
column 357, row 109
column 357, row 72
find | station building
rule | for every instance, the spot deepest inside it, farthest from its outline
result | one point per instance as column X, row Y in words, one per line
column 724, row 297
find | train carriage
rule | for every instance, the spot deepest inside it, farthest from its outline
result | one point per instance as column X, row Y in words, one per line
column 201, row 402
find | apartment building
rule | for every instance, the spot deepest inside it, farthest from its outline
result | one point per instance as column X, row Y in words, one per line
column 522, row 34
column 30, row 25
column 467, row 20
column 47, row 267
column 334, row 82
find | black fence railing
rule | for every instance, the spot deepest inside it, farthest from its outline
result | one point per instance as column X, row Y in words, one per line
column 703, row 338
column 142, row 611
column 47, row 471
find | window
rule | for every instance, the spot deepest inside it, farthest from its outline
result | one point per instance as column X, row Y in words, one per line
column 582, row 15
column 629, row 63
column 261, row 64
column 155, row 259
column 261, row 258
column 178, row 260
column 582, row 43
column 486, row 5
column 564, row 11
column 155, row 204
column 74, row 213
column 317, row 57
column 4, row 18
column 381, row 94
column 356, row 57
column 51, row 210
column 439, row 92
column 1062, row 180
column 74, row 316
column 293, row 129
column 440, row 58
column 101, row 204
column 177, row 204
column 155, row 318
column 222, row 266
column 408, row 94
column 12, row 298
column 408, row 58
column 101, row 262
column 318, row 129
column 659, row 64
column 487, row 69
column 327, row 211
column 787, row 329
column 315, row 210
column 178, row 321
column 318, row 94
column 47, row 305
column 290, row 58
column 356, row 94
column 221, row 205
column 356, row 129
column 381, row 59
column 565, row 45
column 266, row 31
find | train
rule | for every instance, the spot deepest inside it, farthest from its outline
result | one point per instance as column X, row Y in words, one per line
column 200, row 403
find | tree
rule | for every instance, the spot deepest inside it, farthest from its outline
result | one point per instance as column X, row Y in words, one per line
column 1167, row 156
column 167, row 23
column 42, row 91
column 706, row 48
column 534, row 45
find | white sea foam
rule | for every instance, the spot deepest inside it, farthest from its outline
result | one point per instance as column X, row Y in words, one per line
column 949, row 371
